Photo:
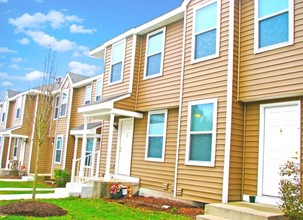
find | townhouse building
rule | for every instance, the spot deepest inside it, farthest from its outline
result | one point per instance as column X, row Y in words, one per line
column 204, row 102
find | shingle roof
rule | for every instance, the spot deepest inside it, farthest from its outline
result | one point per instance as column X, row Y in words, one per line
column 12, row 93
column 77, row 78
column 90, row 125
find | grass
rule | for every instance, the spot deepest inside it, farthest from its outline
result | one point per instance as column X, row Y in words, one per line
column 6, row 192
column 98, row 209
column 4, row 184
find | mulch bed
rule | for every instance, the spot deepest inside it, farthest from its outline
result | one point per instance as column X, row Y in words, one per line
column 159, row 204
column 32, row 208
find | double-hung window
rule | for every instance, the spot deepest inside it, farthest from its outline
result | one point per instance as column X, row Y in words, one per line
column 56, row 110
column 88, row 94
column 274, row 21
column 154, row 53
column 116, row 72
column 206, row 32
column 89, row 151
column 201, row 133
column 64, row 98
column 15, row 147
column 99, row 84
column 58, row 151
column 18, row 107
column 156, row 136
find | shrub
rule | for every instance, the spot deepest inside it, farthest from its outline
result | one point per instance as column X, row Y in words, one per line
column 61, row 177
column 290, row 191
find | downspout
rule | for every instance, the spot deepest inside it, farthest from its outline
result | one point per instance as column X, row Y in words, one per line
column 132, row 71
column 244, row 148
column 68, row 126
column 228, row 128
column 180, row 106
column 138, row 77
column 32, row 137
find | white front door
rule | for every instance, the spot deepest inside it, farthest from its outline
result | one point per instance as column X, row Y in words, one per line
column 124, row 147
column 280, row 142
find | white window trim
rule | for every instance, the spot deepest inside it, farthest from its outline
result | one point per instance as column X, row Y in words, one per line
column 214, row 134
column 162, row 53
column 99, row 80
column 16, row 146
column 18, row 106
column 62, row 139
column 64, row 91
column 58, row 113
column 290, row 28
column 90, row 98
column 218, row 28
column 164, row 136
column 111, row 63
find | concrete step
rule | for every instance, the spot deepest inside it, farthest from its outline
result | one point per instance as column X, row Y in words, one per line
column 79, row 189
column 209, row 217
column 245, row 211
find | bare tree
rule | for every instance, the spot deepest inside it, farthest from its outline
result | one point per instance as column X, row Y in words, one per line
column 42, row 104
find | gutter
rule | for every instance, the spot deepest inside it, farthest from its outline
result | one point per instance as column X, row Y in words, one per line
column 230, row 70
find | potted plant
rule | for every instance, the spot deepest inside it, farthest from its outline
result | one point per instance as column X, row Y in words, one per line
column 116, row 191
column 252, row 199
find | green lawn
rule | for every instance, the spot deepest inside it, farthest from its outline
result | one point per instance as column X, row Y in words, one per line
column 4, row 192
column 4, row 184
column 98, row 209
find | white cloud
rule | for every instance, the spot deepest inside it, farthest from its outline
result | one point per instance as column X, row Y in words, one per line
column 80, row 29
column 3, row 1
column 46, row 40
column 34, row 75
column 54, row 18
column 6, row 50
column 6, row 83
column 77, row 54
column 83, row 69
column 14, row 66
column 17, row 59
column 24, row 41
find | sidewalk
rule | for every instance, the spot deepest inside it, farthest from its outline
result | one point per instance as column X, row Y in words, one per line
column 59, row 193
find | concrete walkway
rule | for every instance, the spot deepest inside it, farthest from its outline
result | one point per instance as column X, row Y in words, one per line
column 59, row 193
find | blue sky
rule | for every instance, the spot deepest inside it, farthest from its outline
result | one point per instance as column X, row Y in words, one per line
column 71, row 27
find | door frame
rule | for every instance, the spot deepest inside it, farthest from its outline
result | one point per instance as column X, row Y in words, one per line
column 261, row 137
column 119, row 142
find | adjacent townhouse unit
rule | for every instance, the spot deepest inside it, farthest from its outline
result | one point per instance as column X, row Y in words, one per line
column 67, row 126
column 204, row 102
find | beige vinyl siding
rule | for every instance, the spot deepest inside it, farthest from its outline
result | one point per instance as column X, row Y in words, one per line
column 45, row 157
column 154, row 174
column 11, row 114
column 104, row 146
column 163, row 91
column 204, row 80
column 130, row 103
column 5, row 150
column 119, row 88
column 274, row 73
column 251, row 144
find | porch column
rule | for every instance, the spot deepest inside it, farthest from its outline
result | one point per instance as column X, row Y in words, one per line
column 109, row 147
column 74, row 159
column 84, row 140
column 8, row 151
column 2, row 147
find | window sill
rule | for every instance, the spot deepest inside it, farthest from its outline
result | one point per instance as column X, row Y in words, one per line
column 59, row 163
column 201, row 164
column 160, row 160
column 272, row 47
column 114, row 83
column 152, row 76
column 193, row 61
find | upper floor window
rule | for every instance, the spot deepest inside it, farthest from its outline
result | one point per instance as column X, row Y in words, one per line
column 64, row 98
column 273, row 24
column 116, row 72
column 156, row 136
column 154, row 53
column 18, row 107
column 3, row 116
column 206, row 34
column 88, row 94
column 99, row 84
column 201, row 133
column 56, row 111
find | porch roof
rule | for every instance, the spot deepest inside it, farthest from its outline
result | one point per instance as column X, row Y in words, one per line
column 91, row 128
column 8, row 132
column 105, row 107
